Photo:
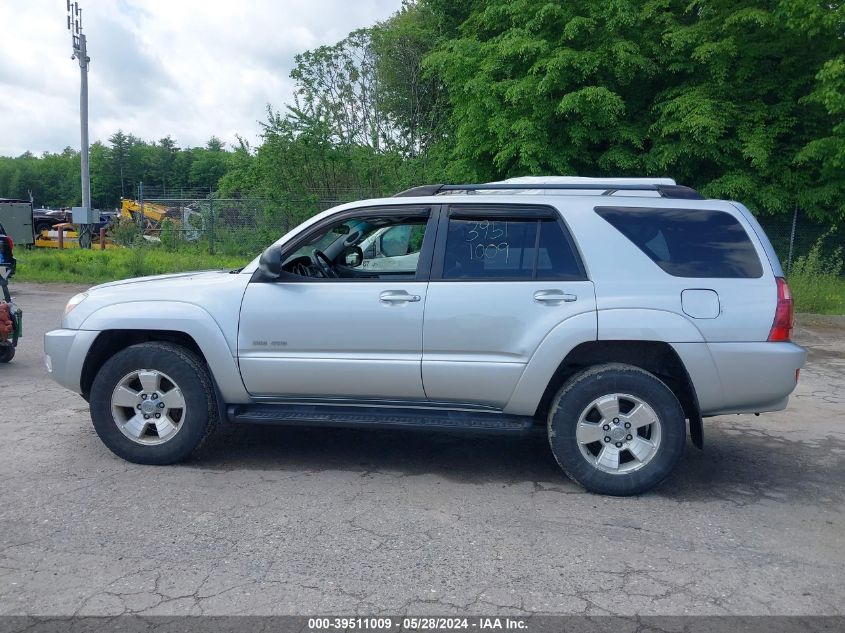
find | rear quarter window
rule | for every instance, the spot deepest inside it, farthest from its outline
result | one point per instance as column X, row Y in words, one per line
column 688, row 242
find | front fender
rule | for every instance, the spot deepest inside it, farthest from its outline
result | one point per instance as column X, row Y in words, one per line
column 180, row 317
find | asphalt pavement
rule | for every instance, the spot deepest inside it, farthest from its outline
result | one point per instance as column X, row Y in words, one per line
column 304, row 521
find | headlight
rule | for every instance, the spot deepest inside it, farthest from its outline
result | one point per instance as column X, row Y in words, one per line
column 75, row 300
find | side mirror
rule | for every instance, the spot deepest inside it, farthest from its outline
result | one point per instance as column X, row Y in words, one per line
column 270, row 262
column 353, row 257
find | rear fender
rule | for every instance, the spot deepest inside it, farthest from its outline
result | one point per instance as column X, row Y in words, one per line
column 687, row 341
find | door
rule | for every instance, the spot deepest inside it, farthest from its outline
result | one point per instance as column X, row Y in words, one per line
column 342, row 321
column 502, row 279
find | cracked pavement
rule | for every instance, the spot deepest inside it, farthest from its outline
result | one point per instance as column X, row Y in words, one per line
column 307, row 521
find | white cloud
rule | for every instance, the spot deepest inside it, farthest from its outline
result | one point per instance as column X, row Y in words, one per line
column 188, row 68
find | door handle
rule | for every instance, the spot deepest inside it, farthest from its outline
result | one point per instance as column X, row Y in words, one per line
column 553, row 296
column 397, row 296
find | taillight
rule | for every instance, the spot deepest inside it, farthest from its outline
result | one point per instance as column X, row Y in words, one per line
column 11, row 245
column 782, row 325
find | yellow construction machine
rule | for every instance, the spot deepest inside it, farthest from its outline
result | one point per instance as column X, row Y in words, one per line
column 153, row 214
column 64, row 235
column 186, row 219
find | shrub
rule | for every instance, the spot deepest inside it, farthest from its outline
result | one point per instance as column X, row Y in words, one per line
column 123, row 231
column 815, row 281
column 137, row 257
column 169, row 235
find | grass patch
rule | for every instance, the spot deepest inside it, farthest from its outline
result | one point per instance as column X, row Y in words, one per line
column 816, row 283
column 95, row 266
column 818, row 295
column 815, row 280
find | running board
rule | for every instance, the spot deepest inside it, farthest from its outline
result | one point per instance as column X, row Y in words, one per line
column 378, row 417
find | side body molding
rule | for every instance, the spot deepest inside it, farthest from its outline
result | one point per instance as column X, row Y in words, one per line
column 180, row 317
column 565, row 336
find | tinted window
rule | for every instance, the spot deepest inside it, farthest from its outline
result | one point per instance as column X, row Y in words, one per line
column 508, row 248
column 556, row 258
column 688, row 242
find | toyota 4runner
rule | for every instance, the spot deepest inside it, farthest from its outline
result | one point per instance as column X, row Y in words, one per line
column 611, row 314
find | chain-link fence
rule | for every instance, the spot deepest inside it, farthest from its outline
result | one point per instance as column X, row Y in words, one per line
column 208, row 222
column 794, row 234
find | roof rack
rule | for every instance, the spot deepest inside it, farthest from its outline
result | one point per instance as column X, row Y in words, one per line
column 607, row 189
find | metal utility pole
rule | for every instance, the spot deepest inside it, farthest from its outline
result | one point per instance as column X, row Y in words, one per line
column 80, row 53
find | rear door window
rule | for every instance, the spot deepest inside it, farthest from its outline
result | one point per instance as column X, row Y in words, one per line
column 515, row 248
column 688, row 242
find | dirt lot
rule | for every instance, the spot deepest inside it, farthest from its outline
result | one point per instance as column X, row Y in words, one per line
column 299, row 521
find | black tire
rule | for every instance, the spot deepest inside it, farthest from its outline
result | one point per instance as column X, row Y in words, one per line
column 604, row 380
column 42, row 226
column 191, row 376
column 7, row 353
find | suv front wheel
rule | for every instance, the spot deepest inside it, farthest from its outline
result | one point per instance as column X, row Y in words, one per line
column 153, row 403
column 616, row 429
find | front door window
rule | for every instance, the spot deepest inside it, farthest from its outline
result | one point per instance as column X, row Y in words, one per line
column 372, row 247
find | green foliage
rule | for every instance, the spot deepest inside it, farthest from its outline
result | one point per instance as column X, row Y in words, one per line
column 815, row 281
column 416, row 104
column 364, row 123
column 209, row 164
column 123, row 231
column 739, row 98
column 95, row 266
column 136, row 262
column 52, row 176
column 742, row 99
column 116, row 170
column 169, row 237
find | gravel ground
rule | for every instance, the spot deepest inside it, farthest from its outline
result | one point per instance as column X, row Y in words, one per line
column 301, row 521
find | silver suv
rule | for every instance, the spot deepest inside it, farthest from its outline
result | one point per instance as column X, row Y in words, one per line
column 606, row 313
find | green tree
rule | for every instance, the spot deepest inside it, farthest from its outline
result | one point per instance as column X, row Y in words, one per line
column 209, row 165
column 104, row 182
column 415, row 102
column 120, row 144
column 740, row 98
column 746, row 113
column 165, row 157
column 337, row 91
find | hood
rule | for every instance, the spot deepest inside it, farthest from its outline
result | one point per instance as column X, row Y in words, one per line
column 159, row 278
column 215, row 291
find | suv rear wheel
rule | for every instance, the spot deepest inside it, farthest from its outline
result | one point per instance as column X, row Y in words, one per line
column 153, row 403
column 616, row 429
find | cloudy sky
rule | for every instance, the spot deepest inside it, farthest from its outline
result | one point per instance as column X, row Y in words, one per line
column 188, row 68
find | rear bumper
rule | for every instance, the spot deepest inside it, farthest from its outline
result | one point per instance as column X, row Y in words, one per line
column 755, row 377
column 65, row 352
